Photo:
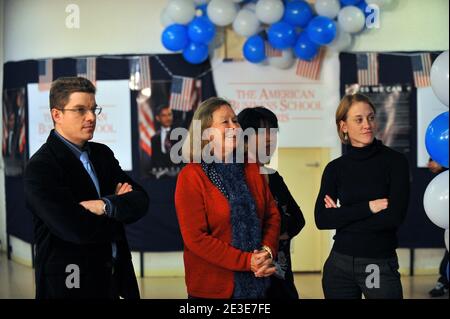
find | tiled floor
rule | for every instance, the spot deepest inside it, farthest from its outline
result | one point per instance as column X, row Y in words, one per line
column 17, row 281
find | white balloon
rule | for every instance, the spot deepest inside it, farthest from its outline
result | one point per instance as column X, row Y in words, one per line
column 446, row 238
column 222, row 12
column 327, row 8
column 246, row 23
column 351, row 19
column 435, row 200
column 165, row 19
column 285, row 61
column 439, row 77
column 269, row 11
column 181, row 11
column 342, row 41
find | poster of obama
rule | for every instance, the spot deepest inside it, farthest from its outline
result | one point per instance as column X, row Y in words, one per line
column 169, row 105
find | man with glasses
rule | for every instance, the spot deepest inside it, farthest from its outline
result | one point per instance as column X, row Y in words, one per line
column 80, row 199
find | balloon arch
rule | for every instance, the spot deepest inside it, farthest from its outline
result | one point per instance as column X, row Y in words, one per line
column 294, row 27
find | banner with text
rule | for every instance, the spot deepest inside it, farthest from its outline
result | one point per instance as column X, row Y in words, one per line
column 113, row 123
column 305, row 108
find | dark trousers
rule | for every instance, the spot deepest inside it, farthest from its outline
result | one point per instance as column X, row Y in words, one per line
column 347, row 277
column 282, row 288
column 443, row 269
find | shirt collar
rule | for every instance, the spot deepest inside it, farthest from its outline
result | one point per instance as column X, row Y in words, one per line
column 73, row 147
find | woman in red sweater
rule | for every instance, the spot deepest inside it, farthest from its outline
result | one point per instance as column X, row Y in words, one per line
column 228, row 219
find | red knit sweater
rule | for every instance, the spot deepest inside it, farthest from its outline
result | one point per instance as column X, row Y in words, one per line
column 204, row 217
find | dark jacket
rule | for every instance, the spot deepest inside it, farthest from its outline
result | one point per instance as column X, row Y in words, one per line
column 159, row 159
column 67, row 234
column 282, row 284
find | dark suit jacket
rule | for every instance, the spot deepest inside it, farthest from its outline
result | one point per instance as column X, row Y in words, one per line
column 159, row 159
column 66, row 233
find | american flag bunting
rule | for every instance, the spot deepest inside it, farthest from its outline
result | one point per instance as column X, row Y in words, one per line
column 367, row 64
column 311, row 69
column 86, row 68
column 271, row 52
column 182, row 94
column 45, row 71
column 421, row 65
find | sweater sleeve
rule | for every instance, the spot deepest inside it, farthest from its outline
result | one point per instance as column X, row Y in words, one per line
column 295, row 221
column 398, row 200
column 192, row 217
column 333, row 218
column 272, row 220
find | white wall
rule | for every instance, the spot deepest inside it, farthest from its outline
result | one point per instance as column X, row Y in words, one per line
column 410, row 25
column 36, row 28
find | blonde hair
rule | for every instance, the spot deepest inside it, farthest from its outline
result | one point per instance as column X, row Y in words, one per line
column 204, row 114
column 343, row 108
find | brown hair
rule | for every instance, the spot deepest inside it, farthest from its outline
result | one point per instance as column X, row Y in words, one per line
column 204, row 114
column 343, row 108
column 64, row 86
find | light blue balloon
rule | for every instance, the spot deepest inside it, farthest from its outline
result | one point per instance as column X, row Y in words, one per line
column 175, row 37
column 201, row 30
column 281, row 35
column 254, row 49
column 436, row 139
column 321, row 30
column 305, row 49
column 298, row 13
column 196, row 53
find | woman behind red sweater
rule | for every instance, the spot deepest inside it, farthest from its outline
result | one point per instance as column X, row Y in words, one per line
column 228, row 218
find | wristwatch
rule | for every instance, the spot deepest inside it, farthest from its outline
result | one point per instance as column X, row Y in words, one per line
column 104, row 207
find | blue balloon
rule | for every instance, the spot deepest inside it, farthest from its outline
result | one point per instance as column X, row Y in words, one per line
column 321, row 30
column 281, row 35
column 349, row 2
column 436, row 139
column 175, row 37
column 201, row 30
column 363, row 5
column 254, row 49
column 298, row 13
column 195, row 53
column 305, row 49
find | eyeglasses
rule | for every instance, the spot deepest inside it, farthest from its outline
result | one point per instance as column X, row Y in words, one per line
column 96, row 110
